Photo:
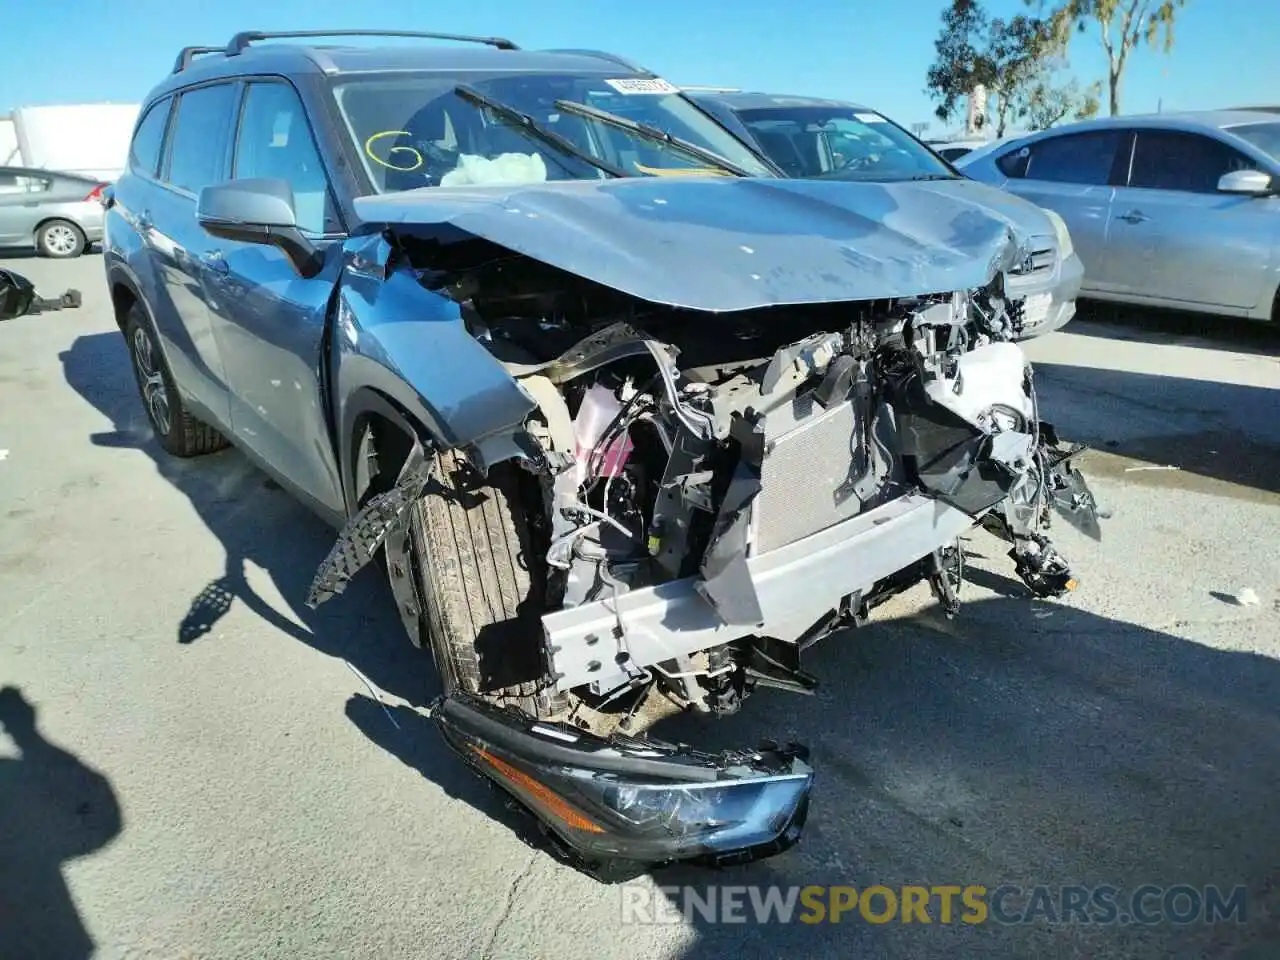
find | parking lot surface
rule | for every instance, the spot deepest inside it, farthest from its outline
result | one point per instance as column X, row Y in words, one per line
column 206, row 776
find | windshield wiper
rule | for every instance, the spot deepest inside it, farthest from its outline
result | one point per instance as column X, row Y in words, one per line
column 934, row 176
column 652, row 133
column 531, row 126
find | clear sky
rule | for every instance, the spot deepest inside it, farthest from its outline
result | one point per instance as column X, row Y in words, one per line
column 874, row 51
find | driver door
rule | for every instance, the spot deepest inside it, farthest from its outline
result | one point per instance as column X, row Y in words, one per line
column 269, row 321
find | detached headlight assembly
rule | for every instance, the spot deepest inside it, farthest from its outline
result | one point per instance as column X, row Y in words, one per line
column 642, row 802
column 1065, row 246
column 729, row 819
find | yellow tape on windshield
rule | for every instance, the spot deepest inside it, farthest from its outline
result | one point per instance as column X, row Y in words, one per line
column 417, row 156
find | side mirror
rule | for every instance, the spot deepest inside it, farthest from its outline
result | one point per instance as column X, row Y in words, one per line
column 258, row 211
column 16, row 295
column 1256, row 183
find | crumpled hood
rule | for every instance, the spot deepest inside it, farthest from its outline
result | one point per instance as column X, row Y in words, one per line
column 724, row 244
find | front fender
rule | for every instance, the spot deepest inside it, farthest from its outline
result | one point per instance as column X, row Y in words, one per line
column 396, row 340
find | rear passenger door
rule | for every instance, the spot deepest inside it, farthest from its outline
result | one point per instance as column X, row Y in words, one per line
column 21, row 193
column 270, row 322
column 1072, row 174
column 1200, row 247
column 196, row 155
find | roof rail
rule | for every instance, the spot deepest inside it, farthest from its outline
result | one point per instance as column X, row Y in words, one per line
column 187, row 54
column 242, row 40
column 604, row 55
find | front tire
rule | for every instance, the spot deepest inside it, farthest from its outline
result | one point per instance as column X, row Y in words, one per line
column 60, row 240
column 481, row 584
column 180, row 433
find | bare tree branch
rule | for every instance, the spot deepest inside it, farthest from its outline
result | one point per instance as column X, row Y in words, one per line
column 1121, row 25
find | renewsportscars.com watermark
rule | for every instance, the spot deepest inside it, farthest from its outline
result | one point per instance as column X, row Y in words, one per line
column 1148, row 904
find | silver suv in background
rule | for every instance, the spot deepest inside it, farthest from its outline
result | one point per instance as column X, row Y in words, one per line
column 60, row 214
column 1174, row 210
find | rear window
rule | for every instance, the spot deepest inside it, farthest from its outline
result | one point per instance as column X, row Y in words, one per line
column 144, row 152
column 1085, row 158
column 12, row 181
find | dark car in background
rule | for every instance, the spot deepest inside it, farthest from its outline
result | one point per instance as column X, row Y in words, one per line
column 815, row 138
column 59, row 214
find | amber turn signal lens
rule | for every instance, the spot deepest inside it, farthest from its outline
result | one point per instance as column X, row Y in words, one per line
column 539, row 793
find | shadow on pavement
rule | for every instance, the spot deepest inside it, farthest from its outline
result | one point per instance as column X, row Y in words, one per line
column 1116, row 321
column 258, row 525
column 52, row 808
column 29, row 253
column 1203, row 428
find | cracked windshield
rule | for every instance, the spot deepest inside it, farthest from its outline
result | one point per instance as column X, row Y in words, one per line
column 842, row 144
column 430, row 131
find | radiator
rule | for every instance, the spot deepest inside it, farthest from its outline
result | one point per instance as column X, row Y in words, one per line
column 808, row 456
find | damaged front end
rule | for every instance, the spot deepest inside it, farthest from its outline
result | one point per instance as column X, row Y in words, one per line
column 712, row 492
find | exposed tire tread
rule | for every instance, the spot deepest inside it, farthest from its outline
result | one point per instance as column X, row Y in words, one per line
column 467, row 538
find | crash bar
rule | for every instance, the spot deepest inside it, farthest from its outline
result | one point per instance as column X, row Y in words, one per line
column 242, row 40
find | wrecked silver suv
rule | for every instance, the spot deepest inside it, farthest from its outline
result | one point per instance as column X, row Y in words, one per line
column 633, row 421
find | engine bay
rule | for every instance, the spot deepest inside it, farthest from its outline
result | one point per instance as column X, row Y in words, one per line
column 675, row 447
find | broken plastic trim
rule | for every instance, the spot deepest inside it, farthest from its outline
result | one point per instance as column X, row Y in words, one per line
column 384, row 515
column 634, row 801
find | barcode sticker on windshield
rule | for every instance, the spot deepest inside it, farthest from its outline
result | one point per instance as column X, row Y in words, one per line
column 868, row 118
column 653, row 86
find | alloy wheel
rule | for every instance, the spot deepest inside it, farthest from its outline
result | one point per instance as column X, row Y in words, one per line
column 61, row 239
column 154, row 392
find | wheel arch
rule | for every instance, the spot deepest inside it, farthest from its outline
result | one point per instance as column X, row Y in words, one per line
column 124, row 294
column 377, row 438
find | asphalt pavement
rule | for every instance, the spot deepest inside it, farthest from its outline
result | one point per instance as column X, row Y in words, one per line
column 196, row 767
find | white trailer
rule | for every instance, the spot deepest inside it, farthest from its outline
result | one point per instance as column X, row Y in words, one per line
column 91, row 139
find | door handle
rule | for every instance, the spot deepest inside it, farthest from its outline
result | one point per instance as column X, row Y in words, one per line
column 216, row 262
column 1134, row 216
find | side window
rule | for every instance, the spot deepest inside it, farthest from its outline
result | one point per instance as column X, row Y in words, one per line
column 1014, row 163
column 144, row 152
column 198, row 143
column 1169, row 160
column 275, row 141
column 12, row 182
column 1085, row 158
